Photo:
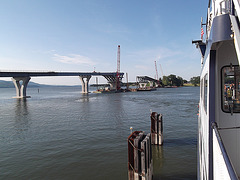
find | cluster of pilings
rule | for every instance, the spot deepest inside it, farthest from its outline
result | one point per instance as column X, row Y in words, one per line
column 140, row 162
column 156, row 128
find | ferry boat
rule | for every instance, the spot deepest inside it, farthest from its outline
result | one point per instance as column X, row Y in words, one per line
column 219, row 105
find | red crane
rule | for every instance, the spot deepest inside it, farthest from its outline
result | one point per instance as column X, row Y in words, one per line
column 118, row 69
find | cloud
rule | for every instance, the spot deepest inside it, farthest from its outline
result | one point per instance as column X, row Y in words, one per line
column 147, row 56
column 74, row 59
column 176, row 60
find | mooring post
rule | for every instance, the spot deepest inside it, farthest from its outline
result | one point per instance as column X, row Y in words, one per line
column 160, row 129
column 131, row 154
column 140, row 165
column 156, row 128
column 136, row 158
column 144, row 158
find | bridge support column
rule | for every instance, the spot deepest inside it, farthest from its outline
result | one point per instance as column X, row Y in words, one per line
column 21, row 89
column 85, row 83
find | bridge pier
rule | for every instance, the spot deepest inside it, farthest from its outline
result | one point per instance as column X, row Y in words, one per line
column 85, row 83
column 21, row 89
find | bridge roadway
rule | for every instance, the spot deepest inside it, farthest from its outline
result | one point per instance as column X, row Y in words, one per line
column 25, row 76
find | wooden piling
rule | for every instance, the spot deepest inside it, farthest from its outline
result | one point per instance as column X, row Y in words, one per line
column 140, row 164
column 156, row 128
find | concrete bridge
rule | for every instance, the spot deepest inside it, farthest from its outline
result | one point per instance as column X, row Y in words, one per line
column 24, row 78
column 144, row 80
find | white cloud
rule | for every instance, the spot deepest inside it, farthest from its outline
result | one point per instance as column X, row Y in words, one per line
column 156, row 54
column 74, row 59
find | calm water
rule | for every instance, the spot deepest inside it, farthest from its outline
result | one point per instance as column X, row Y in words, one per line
column 60, row 133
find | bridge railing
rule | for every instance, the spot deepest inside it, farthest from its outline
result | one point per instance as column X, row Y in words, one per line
column 37, row 71
column 54, row 73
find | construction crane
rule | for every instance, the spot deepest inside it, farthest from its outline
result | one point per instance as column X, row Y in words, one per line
column 118, row 70
column 156, row 71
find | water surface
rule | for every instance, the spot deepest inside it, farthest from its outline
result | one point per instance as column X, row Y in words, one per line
column 60, row 133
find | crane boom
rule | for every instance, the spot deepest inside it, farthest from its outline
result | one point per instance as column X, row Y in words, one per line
column 156, row 71
column 161, row 70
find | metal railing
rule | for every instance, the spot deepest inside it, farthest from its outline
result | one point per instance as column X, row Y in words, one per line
column 222, row 166
column 220, row 7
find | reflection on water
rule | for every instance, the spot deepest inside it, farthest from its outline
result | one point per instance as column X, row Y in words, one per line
column 158, row 156
column 21, row 117
column 21, row 108
column 84, row 98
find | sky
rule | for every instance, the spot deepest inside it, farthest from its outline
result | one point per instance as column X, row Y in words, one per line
column 83, row 36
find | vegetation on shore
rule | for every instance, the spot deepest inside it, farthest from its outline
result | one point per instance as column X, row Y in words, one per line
column 173, row 80
column 195, row 81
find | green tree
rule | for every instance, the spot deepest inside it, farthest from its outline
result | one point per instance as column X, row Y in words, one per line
column 172, row 80
column 179, row 81
column 195, row 80
column 165, row 81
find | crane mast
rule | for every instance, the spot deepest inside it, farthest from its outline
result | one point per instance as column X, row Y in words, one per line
column 156, row 71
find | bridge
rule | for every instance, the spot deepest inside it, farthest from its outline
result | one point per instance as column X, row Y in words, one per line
column 21, row 78
column 144, row 80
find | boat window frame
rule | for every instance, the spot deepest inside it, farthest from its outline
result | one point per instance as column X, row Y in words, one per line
column 222, row 88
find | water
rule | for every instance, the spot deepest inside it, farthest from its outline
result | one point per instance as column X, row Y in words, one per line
column 60, row 133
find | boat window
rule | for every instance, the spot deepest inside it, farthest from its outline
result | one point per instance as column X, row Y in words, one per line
column 231, row 89
column 205, row 91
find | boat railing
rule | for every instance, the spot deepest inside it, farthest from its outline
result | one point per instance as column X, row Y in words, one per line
column 222, row 166
column 236, row 4
column 220, row 7
column 216, row 8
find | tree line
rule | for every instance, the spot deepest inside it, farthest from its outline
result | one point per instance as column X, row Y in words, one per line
column 173, row 80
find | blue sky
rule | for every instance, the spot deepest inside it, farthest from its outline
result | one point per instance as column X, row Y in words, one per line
column 83, row 35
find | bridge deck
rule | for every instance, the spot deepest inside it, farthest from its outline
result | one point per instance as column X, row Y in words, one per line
column 53, row 73
column 145, row 79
